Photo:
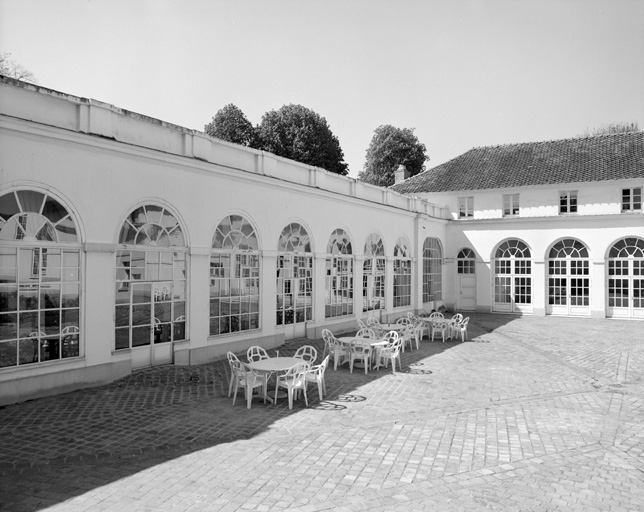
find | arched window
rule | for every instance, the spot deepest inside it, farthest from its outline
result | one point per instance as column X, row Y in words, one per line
column 432, row 270
column 294, row 276
column 234, row 277
column 373, row 277
column 626, row 278
column 339, row 275
column 568, row 278
column 402, row 273
column 512, row 277
column 39, row 280
column 150, row 285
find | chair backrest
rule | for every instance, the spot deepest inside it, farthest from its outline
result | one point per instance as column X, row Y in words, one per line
column 231, row 357
column 436, row 314
column 409, row 332
column 307, row 352
column 296, row 371
column 372, row 321
column 240, row 369
column 391, row 336
column 71, row 329
column 464, row 323
column 365, row 332
column 256, row 353
column 329, row 339
column 457, row 318
column 361, row 324
column 403, row 321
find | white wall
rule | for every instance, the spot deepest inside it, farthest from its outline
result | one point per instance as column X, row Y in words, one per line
column 102, row 163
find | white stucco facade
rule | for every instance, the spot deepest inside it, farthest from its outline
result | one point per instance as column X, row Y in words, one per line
column 110, row 224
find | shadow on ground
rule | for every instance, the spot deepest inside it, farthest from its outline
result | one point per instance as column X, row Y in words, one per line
column 158, row 414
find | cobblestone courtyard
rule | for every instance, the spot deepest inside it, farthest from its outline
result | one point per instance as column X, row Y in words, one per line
column 531, row 414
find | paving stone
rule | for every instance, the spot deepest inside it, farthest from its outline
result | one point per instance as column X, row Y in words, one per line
column 535, row 413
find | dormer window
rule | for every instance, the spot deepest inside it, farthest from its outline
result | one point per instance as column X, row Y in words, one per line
column 465, row 207
column 567, row 202
column 632, row 199
column 510, row 205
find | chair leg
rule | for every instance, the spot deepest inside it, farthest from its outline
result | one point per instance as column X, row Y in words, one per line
column 235, row 395
column 290, row 397
column 306, row 399
column 249, row 396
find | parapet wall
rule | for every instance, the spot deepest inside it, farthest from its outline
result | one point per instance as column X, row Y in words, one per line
column 48, row 107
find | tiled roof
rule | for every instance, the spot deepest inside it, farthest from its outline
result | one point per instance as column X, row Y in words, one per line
column 600, row 158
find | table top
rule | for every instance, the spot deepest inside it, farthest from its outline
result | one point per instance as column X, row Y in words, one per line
column 393, row 327
column 366, row 341
column 275, row 364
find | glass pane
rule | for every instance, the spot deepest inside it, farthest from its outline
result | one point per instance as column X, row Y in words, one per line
column 8, row 354
column 8, row 298
column 28, row 297
column 49, row 349
column 141, row 314
column 122, row 338
column 70, row 318
column 50, row 321
column 162, row 311
column 140, row 336
column 141, row 293
column 8, row 206
column 122, row 293
column 70, row 296
column 8, row 326
column 122, row 316
column 28, row 351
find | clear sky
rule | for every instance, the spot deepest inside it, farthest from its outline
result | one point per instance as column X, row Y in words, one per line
column 463, row 73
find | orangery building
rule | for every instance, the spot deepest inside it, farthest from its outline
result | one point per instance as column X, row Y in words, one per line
column 128, row 242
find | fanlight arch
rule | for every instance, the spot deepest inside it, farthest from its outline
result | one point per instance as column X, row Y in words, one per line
column 31, row 216
column 153, row 226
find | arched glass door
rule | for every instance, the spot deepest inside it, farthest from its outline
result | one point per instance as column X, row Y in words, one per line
column 294, row 280
column 339, row 275
column 402, row 273
column 626, row 278
column 39, row 280
column 513, row 278
column 568, row 279
column 234, row 277
column 373, row 277
column 150, row 304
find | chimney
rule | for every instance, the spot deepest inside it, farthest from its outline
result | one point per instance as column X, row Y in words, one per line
column 401, row 174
